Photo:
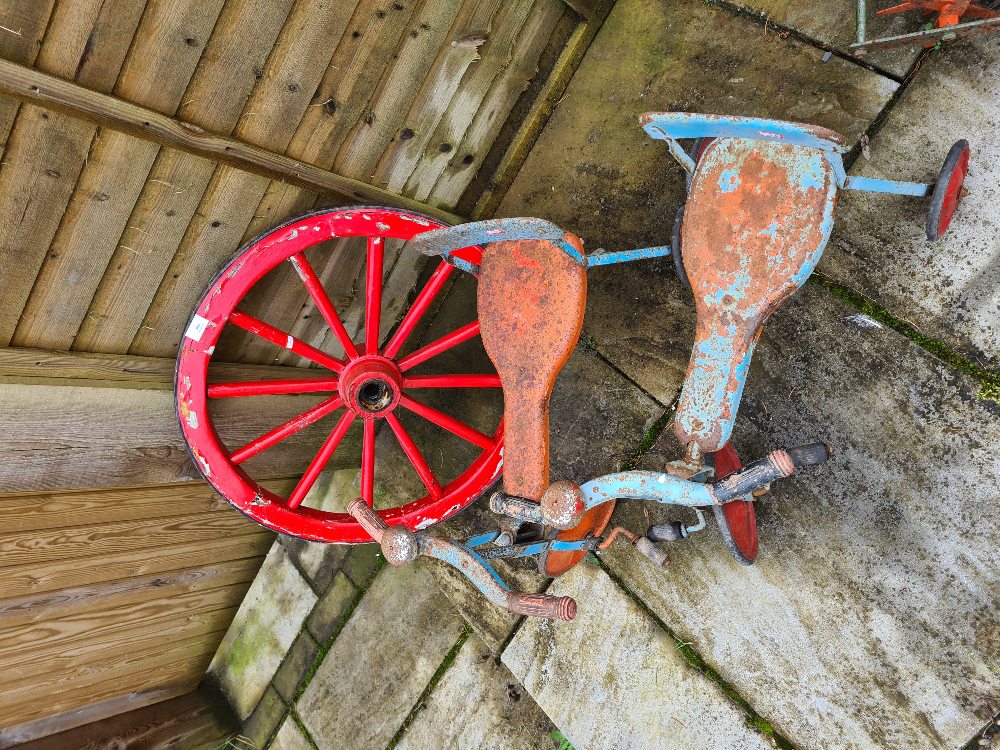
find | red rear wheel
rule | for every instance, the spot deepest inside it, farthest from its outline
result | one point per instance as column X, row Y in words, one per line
column 737, row 519
column 948, row 190
column 364, row 390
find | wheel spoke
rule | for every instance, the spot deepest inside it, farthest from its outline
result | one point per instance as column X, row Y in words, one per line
column 451, row 424
column 323, row 302
column 452, row 381
column 319, row 461
column 271, row 387
column 416, row 457
column 368, row 463
column 285, row 340
column 416, row 312
column 443, row 344
column 289, row 428
column 373, row 294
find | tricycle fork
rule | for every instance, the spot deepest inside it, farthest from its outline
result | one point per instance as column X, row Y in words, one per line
column 401, row 546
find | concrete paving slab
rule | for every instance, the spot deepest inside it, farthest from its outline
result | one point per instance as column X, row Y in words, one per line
column 329, row 610
column 298, row 660
column 949, row 289
column 478, row 704
column 874, row 600
column 614, row 679
column 380, row 663
column 262, row 631
column 263, row 722
column 290, row 737
column 834, row 23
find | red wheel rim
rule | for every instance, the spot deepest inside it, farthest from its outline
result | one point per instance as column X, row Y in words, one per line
column 948, row 190
column 737, row 520
column 370, row 385
column 593, row 523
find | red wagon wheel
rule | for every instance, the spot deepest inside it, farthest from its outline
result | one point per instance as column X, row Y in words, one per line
column 369, row 385
column 737, row 519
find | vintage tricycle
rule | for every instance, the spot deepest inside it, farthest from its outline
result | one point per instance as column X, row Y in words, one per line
column 759, row 211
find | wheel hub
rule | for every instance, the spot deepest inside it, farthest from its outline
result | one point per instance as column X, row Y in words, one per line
column 370, row 386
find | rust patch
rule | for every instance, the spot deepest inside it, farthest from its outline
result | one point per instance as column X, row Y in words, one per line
column 531, row 303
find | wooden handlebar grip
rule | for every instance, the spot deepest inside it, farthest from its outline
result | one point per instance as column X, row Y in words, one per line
column 369, row 520
column 542, row 605
column 531, row 301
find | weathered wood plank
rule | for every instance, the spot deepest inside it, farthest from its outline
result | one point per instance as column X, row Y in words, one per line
column 38, row 511
column 44, row 367
column 24, row 610
column 38, row 88
column 144, row 534
column 454, row 175
column 20, row 41
column 344, row 94
column 168, row 45
column 44, row 156
column 469, row 32
column 190, row 721
column 278, row 102
column 496, row 55
column 68, row 437
column 29, row 579
column 62, row 675
column 185, row 670
column 396, row 92
column 96, row 634
column 48, row 150
column 55, row 729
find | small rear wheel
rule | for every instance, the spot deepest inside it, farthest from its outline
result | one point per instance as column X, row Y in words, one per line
column 948, row 190
column 737, row 519
column 676, row 252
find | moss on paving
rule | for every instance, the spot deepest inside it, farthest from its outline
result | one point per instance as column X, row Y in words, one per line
column 694, row 660
column 989, row 382
column 446, row 663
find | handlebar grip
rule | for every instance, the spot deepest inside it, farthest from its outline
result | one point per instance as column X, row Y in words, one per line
column 809, row 455
column 542, row 605
column 370, row 520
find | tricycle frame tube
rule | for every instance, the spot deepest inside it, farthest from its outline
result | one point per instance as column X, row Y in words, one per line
column 872, row 185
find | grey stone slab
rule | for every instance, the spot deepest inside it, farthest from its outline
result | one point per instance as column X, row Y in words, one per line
column 262, row 631
column 290, row 737
column 329, row 611
column 380, row 662
column 874, row 600
column 614, row 679
column 264, row 721
column 362, row 563
column 595, row 172
column 949, row 289
column 320, row 562
column 834, row 23
column 478, row 704
column 297, row 662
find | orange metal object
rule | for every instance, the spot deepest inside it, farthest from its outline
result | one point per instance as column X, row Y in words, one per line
column 531, row 302
column 950, row 12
